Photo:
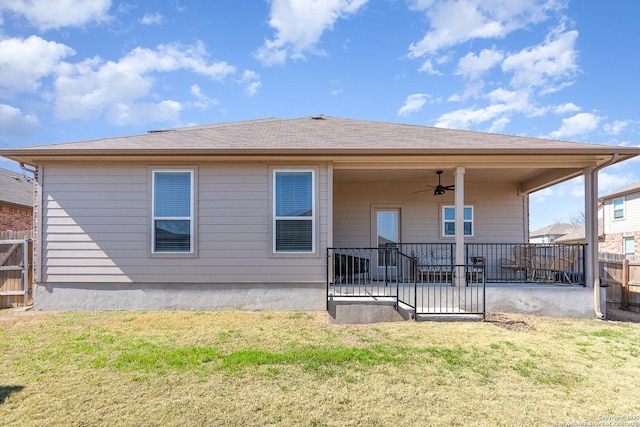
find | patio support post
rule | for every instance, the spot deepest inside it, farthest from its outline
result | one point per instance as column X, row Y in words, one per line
column 459, row 228
column 591, row 235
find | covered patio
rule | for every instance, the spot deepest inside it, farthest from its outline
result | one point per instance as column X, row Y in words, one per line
column 398, row 222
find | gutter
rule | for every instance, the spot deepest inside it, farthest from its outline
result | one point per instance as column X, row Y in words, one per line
column 26, row 169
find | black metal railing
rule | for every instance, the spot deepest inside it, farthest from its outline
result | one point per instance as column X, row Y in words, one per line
column 529, row 262
column 426, row 278
column 425, row 287
column 501, row 263
column 454, row 290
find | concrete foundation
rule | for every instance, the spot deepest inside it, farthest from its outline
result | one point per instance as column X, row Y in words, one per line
column 541, row 300
column 200, row 297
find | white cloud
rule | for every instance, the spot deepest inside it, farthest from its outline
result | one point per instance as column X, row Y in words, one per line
column 24, row 62
column 579, row 124
column 252, row 82
column 499, row 124
column 203, row 101
column 50, row 14
column 546, row 64
column 464, row 117
column 608, row 182
column 14, row 123
column 532, row 71
column 141, row 113
column 569, row 107
column 413, row 104
column 299, row 24
column 427, row 67
column 541, row 195
column 152, row 19
column 503, row 104
column 93, row 87
column 573, row 188
column 126, row 7
column 474, row 66
column 456, row 21
column 616, row 127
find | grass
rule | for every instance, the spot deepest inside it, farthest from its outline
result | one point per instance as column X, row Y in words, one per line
column 293, row 368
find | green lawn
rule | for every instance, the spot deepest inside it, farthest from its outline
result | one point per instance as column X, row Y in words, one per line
column 294, row 368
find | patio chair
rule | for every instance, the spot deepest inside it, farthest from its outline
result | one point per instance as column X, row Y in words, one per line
column 521, row 262
column 557, row 263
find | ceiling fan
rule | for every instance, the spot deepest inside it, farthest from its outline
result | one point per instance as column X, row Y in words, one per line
column 439, row 189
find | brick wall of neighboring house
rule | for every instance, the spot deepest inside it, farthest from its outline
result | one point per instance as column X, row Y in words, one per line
column 15, row 218
column 613, row 243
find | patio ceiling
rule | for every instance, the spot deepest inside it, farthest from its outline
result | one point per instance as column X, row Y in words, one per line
column 528, row 178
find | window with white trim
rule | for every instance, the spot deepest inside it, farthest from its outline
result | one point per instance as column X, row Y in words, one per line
column 294, row 211
column 172, row 222
column 618, row 208
column 449, row 221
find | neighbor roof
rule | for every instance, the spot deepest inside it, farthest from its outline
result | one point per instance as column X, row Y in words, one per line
column 15, row 188
column 559, row 228
column 633, row 188
column 311, row 135
column 575, row 235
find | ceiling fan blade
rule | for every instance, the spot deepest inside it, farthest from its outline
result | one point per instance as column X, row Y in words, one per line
column 420, row 191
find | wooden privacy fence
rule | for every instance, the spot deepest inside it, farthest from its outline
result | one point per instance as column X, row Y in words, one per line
column 16, row 274
column 622, row 275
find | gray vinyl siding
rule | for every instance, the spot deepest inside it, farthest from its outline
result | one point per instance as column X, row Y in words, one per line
column 630, row 222
column 499, row 213
column 96, row 228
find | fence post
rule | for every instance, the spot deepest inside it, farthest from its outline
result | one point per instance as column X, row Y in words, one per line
column 625, row 284
column 26, row 267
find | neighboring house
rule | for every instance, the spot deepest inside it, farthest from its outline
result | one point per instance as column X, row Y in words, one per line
column 16, row 201
column 620, row 216
column 551, row 233
column 576, row 235
column 241, row 215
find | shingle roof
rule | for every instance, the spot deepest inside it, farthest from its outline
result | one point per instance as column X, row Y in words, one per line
column 633, row 188
column 15, row 188
column 577, row 234
column 316, row 134
column 559, row 228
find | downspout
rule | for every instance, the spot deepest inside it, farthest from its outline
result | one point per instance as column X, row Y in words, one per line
column 37, row 229
column 591, row 231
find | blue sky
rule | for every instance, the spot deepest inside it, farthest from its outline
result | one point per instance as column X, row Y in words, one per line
column 84, row 69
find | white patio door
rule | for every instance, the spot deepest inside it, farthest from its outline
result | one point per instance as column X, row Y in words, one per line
column 386, row 238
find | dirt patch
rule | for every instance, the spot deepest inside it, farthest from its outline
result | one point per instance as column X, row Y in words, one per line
column 510, row 322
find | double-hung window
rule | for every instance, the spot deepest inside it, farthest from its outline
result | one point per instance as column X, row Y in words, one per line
column 173, row 206
column 618, row 208
column 449, row 221
column 294, row 211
